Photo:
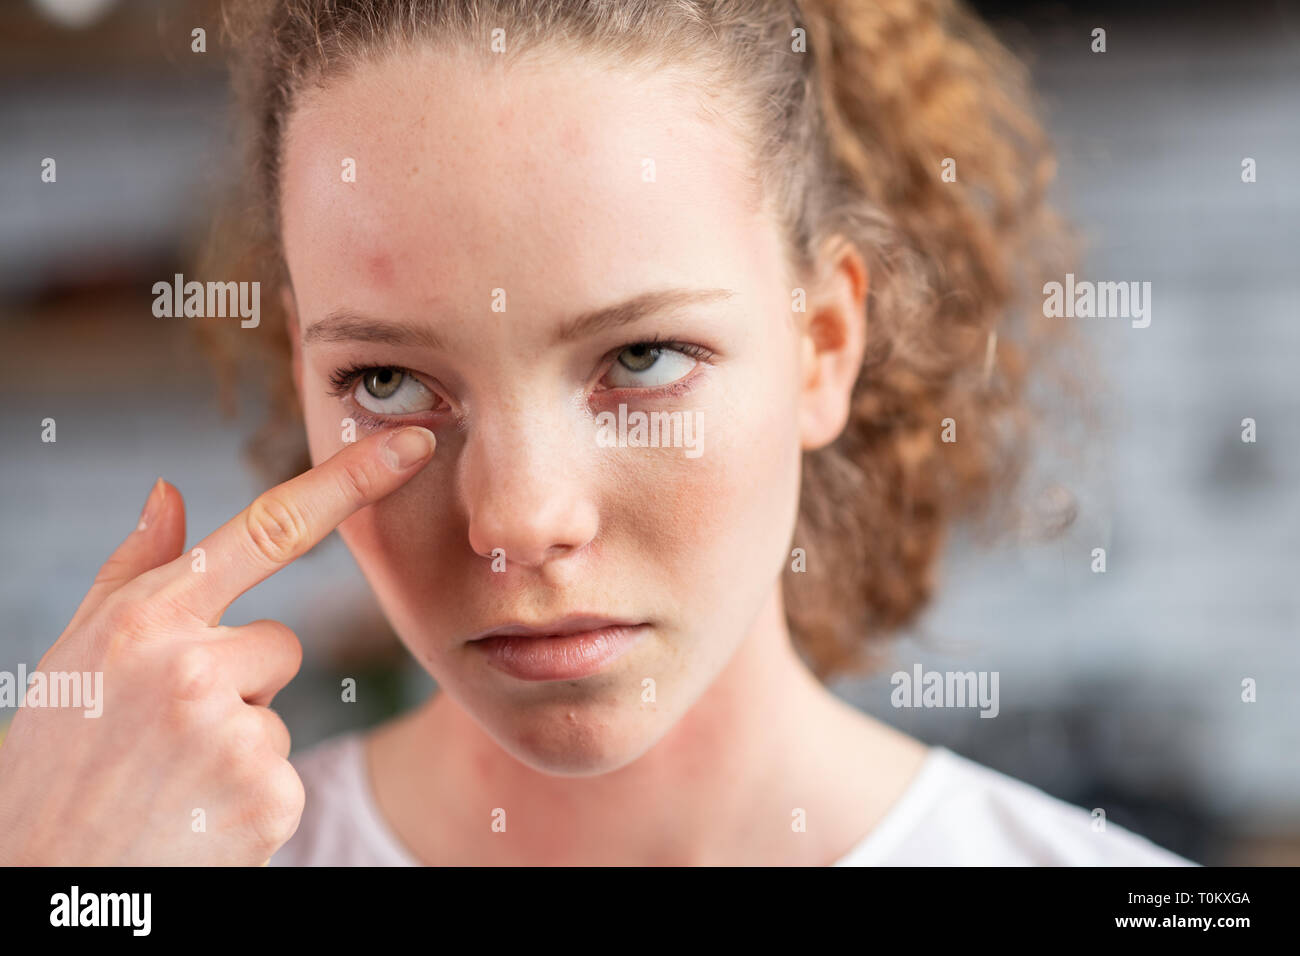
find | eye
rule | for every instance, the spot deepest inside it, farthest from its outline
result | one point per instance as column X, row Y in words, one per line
column 648, row 365
column 391, row 391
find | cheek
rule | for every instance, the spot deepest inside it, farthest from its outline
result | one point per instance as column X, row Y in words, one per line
column 715, row 527
column 401, row 543
column 698, row 540
column 402, row 534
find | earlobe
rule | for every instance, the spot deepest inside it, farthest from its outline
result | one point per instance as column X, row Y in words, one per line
column 833, row 343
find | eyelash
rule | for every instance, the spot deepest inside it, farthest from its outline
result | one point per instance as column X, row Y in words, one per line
column 696, row 351
column 344, row 379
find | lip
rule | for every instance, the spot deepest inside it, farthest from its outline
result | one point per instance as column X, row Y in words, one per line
column 570, row 648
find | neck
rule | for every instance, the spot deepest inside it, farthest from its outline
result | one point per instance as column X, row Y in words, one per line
column 721, row 786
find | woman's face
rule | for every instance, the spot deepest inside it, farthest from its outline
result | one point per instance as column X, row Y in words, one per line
column 492, row 215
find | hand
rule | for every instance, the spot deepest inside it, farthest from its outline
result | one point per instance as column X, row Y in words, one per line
column 186, row 724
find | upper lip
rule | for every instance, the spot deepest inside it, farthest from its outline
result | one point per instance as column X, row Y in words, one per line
column 572, row 624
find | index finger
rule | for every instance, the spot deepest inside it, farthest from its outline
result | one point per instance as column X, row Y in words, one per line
column 285, row 522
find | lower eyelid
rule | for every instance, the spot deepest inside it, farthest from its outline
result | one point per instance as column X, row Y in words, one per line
column 373, row 420
column 686, row 383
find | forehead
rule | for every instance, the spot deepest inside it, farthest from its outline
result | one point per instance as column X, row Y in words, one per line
column 472, row 176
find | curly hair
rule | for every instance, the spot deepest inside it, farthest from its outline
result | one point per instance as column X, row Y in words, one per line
column 902, row 125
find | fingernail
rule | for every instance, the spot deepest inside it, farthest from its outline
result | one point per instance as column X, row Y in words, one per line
column 152, row 504
column 408, row 447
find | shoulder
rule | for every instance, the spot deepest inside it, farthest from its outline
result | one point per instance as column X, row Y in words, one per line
column 340, row 825
column 960, row 813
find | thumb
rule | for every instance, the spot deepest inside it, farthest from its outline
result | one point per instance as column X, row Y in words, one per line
column 159, row 537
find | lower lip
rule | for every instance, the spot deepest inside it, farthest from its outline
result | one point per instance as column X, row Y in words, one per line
column 559, row 656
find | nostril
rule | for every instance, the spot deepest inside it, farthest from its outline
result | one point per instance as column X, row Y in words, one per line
column 524, row 557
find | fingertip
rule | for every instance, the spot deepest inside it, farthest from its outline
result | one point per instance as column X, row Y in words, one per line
column 152, row 505
column 162, row 523
column 171, row 515
column 407, row 447
column 171, row 495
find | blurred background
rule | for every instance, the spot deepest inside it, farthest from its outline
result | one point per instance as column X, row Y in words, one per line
column 1120, row 690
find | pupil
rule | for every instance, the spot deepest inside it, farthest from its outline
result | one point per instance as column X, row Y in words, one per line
column 638, row 358
column 382, row 382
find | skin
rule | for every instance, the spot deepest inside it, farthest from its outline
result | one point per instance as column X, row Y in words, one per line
column 531, row 183
column 475, row 178
column 186, row 764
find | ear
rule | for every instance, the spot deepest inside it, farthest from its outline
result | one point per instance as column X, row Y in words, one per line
column 833, row 338
column 291, row 328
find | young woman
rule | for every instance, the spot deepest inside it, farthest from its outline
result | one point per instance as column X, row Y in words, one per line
column 595, row 311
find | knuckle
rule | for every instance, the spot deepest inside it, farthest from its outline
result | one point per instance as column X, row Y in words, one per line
column 285, row 794
column 116, row 648
column 291, row 642
column 277, row 725
column 124, row 618
column 120, row 631
column 276, row 528
column 192, row 672
column 282, row 643
column 277, row 805
column 245, row 736
column 358, row 480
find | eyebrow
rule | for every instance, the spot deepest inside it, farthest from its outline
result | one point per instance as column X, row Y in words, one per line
column 637, row 307
column 345, row 325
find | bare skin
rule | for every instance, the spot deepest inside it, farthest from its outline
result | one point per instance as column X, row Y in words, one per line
column 808, row 750
column 187, row 764
column 533, row 184
column 474, row 179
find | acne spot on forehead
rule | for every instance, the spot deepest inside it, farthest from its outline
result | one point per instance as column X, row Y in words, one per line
column 379, row 269
column 463, row 185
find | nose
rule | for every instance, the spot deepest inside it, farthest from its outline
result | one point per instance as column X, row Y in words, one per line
column 525, row 492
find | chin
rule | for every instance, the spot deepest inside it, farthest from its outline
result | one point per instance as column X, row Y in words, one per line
column 575, row 739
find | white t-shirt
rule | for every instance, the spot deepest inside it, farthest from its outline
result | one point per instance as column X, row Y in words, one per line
column 954, row 813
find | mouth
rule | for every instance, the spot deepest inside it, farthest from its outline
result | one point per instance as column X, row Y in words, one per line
column 569, row 648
